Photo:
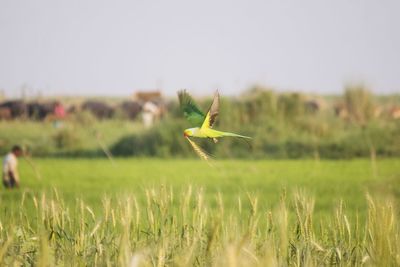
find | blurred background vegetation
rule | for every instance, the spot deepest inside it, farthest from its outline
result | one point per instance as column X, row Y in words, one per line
column 283, row 125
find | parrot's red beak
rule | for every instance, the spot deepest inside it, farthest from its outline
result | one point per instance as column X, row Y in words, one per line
column 185, row 134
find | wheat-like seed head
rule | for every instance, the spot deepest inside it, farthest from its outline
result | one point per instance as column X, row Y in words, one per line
column 198, row 150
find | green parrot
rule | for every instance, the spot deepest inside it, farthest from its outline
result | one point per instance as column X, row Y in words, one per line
column 203, row 123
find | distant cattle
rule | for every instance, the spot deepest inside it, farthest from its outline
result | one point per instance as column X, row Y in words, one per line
column 99, row 109
column 5, row 113
column 131, row 109
column 39, row 111
column 17, row 108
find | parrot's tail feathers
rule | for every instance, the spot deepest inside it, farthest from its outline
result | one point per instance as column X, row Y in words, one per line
column 247, row 139
column 237, row 135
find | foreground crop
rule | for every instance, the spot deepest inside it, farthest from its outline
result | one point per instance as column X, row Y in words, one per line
column 185, row 229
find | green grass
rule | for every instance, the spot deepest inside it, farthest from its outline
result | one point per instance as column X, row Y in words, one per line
column 82, row 133
column 185, row 213
column 328, row 181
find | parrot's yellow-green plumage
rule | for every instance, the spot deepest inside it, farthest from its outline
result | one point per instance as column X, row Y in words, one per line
column 203, row 123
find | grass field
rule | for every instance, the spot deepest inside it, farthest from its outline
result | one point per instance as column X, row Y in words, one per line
column 81, row 135
column 328, row 181
column 155, row 212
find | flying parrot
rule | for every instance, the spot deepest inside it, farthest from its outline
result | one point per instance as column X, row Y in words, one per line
column 203, row 123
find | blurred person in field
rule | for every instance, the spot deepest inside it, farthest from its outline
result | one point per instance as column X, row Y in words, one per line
column 10, row 170
column 59, row 115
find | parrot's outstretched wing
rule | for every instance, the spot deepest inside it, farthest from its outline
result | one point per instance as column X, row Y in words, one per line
column 190, row 110
column 212, row 113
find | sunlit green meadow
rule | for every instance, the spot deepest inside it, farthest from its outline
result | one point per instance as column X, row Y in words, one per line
column 328, row 181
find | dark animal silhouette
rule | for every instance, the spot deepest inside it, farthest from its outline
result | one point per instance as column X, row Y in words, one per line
column 5, row 113
column 39, row 111
column 131, row 109
column 99, row 109
column 17, row 108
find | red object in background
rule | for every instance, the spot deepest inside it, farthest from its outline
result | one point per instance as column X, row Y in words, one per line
column 59, row 111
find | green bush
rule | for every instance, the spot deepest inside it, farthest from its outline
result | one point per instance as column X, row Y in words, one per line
column 269, row 141
column 65, row 138
column 163, row 140
column 83, row 117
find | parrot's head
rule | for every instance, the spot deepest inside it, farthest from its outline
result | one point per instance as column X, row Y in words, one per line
column 187, row 133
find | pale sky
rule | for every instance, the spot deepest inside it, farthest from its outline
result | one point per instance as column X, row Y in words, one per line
column 97, row 47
